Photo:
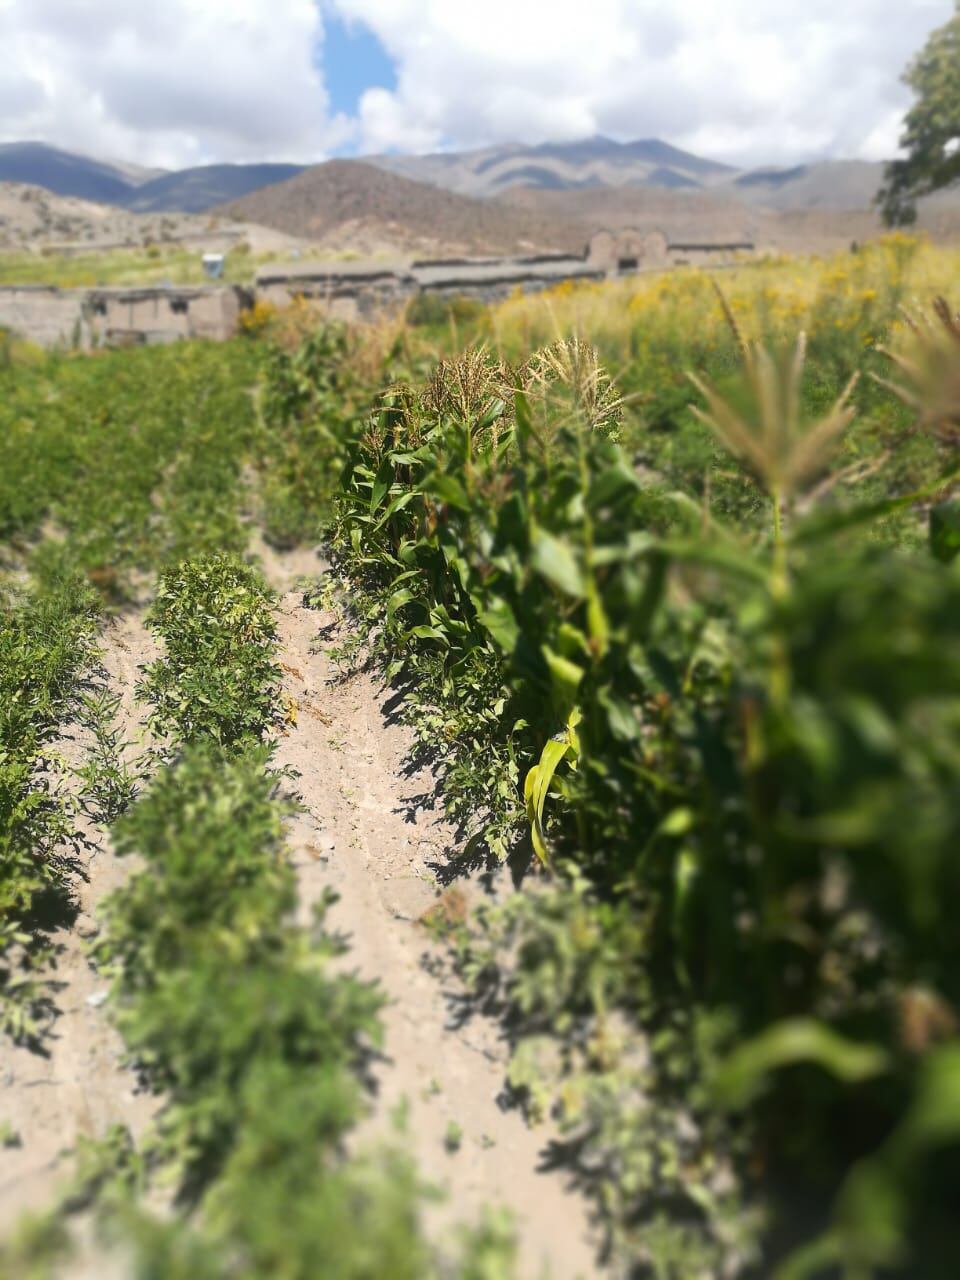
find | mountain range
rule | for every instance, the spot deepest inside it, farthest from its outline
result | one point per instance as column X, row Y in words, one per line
column 592, row 164
column 129, row 187
column 504, row 199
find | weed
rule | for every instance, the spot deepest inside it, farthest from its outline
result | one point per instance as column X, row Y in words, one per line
column 448, row 915
column 109, row 782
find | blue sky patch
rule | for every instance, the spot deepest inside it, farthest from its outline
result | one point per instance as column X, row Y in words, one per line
column 353, row 60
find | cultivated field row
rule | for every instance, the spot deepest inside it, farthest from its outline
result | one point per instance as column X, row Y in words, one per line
column 675, row 657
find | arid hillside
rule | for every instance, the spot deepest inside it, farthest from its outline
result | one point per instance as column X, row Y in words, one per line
column 347, row 204
column 35, row 221
column 33, row 218
column 591, row 162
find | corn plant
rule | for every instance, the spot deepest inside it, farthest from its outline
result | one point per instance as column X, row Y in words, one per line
column 747, row 735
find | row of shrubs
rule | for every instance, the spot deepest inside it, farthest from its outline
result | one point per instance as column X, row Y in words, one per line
column 122, row 462
column 47, row 651
column 255, row 1042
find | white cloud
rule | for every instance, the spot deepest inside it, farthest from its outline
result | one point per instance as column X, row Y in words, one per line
column 172, row 82
column 744, row 80
column 186, row 81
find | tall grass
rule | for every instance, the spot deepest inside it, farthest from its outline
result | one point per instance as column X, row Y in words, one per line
column 848, row 293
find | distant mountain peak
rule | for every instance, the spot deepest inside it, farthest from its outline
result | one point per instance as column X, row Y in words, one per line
column 594, row 163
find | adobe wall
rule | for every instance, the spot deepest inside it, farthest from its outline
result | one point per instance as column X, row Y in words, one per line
column 164, row 315
column 96, row 317
column 49, row 317
column 625, row 250
column 347, row 294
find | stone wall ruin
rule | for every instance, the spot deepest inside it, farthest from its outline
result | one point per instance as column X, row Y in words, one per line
column 341, row 290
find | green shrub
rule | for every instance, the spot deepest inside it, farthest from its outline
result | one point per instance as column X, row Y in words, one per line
column 217, row 993
column 218, row 677
column 47, row 644
column 435, row 310
column 131, row 459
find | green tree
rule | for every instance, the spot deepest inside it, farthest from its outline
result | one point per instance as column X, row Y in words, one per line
column 931, row 137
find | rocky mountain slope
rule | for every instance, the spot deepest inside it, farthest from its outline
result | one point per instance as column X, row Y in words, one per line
column 350, row 204
column 66, row 174
column 594, row 162
column 196, row 190
column 602, row 164
column 591, row 164
column 500, row 199
column 35, row 221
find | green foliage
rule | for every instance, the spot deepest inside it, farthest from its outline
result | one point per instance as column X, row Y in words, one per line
column 437, row 310
column 749, row 736
column 127, row 459
column 223, row 1002
column 490, row 1249
column 149, row 264
column 945, row 531
column 37, row 1250
column 242, row 1020
column 598, row 1044
column 442, row 493
column 237, row 1019
column 714, row 713
column 46, row 647
column 306, row 400
column 932, row 130
column 109, row 782
column 218, row 678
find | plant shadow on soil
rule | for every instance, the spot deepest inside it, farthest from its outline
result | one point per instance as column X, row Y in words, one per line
column 572, row 1157
column 478, row 863
column 464, row 857
column 55, row 911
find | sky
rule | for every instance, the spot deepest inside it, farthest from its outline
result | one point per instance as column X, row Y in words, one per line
column 174, row 83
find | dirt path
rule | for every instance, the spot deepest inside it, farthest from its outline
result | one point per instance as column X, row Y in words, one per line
column 365, row 837
column 79, row 1085
column 366, row 834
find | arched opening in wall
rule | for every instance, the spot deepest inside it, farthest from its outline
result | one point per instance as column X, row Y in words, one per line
column 631, row 252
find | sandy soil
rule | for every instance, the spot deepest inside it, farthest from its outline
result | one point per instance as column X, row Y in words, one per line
column 368, row 831
column 371, row 834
